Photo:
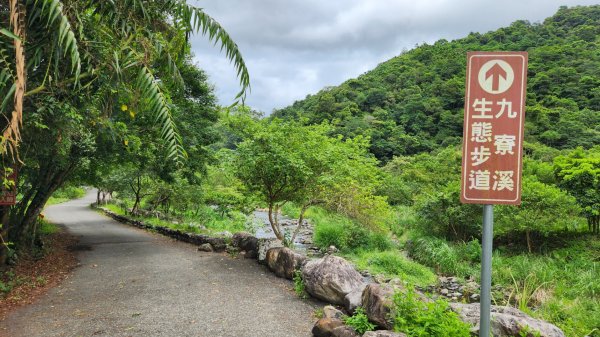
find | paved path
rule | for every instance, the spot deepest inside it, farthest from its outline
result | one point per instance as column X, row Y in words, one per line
column 135, row 283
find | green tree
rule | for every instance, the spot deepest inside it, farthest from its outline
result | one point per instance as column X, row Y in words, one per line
column 287, row 162
column 579, row 174
column 85, row 60
column 545, row 209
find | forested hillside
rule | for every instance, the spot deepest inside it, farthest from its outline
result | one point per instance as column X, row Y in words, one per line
column 411, row 109
column 414, row 102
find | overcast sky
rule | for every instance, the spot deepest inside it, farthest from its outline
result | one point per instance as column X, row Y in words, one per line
column 296, row 47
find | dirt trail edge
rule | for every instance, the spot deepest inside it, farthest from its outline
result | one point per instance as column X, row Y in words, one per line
column 134, row 283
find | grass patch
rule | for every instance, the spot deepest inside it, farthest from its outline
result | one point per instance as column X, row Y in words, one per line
column 66, row 193
column 461, row 259
column 560, row 286
column 392, row 263
column 47, row 228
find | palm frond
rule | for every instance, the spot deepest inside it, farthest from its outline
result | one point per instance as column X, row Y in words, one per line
column 196, row 20
column 52, row 13
column 159, row 107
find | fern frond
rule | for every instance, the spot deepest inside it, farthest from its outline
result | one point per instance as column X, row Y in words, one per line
column 159, row 107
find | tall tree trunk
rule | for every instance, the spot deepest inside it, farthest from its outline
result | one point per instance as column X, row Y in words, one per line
column 300, row 222
column 274, row 223
column 4, row 235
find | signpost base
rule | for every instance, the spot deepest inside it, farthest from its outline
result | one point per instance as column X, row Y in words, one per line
column 486, row 271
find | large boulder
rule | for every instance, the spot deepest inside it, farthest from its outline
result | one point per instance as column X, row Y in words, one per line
column 246, row 242
column 325, row 326
column 506, row 321
column 353, row 299
column 264, row 244
column 330, row 279
column 377, row 302
column 284, row 262
column 383, row 333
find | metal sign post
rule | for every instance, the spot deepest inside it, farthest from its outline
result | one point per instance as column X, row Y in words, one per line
column 492, row 147
column 485, row 298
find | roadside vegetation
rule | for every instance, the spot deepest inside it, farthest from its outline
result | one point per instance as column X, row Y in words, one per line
column 66, row 193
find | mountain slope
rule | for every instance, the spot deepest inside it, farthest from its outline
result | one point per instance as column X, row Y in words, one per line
column 414, row 102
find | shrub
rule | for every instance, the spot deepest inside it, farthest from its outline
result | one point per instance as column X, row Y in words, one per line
column 359, row 321
column 330, row 234
column 417, row 318
column 299, row 286
column 346, row 234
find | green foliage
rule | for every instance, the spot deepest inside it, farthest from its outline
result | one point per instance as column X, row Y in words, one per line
column 392, row 263
column 299, row 286
column 359, row 321
column 419, row 318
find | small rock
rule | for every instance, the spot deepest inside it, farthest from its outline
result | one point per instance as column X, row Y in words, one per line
column 264, row 245
column 344, row 331
column 247, row 243
column 232, row 250
column 329, row 311
column 325, row 326
column 205, row 247
column 444, row 291
column 474, row 297
column 332, row 250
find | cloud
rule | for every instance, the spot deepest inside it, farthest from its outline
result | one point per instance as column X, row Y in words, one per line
column 296, row 47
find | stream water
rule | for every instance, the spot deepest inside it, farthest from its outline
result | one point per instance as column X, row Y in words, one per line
column 304, row 240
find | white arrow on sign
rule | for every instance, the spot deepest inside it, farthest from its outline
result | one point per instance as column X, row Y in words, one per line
column 496, row 76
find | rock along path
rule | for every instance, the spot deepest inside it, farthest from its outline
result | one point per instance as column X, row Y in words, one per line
column 135, row 283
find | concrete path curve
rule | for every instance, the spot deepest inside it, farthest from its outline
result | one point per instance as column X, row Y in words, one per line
column 134, row 283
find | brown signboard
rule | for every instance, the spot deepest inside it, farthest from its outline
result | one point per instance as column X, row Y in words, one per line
column 493, row 127
column 8, row 196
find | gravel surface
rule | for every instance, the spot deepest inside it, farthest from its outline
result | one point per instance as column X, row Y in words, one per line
column 134, row 283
